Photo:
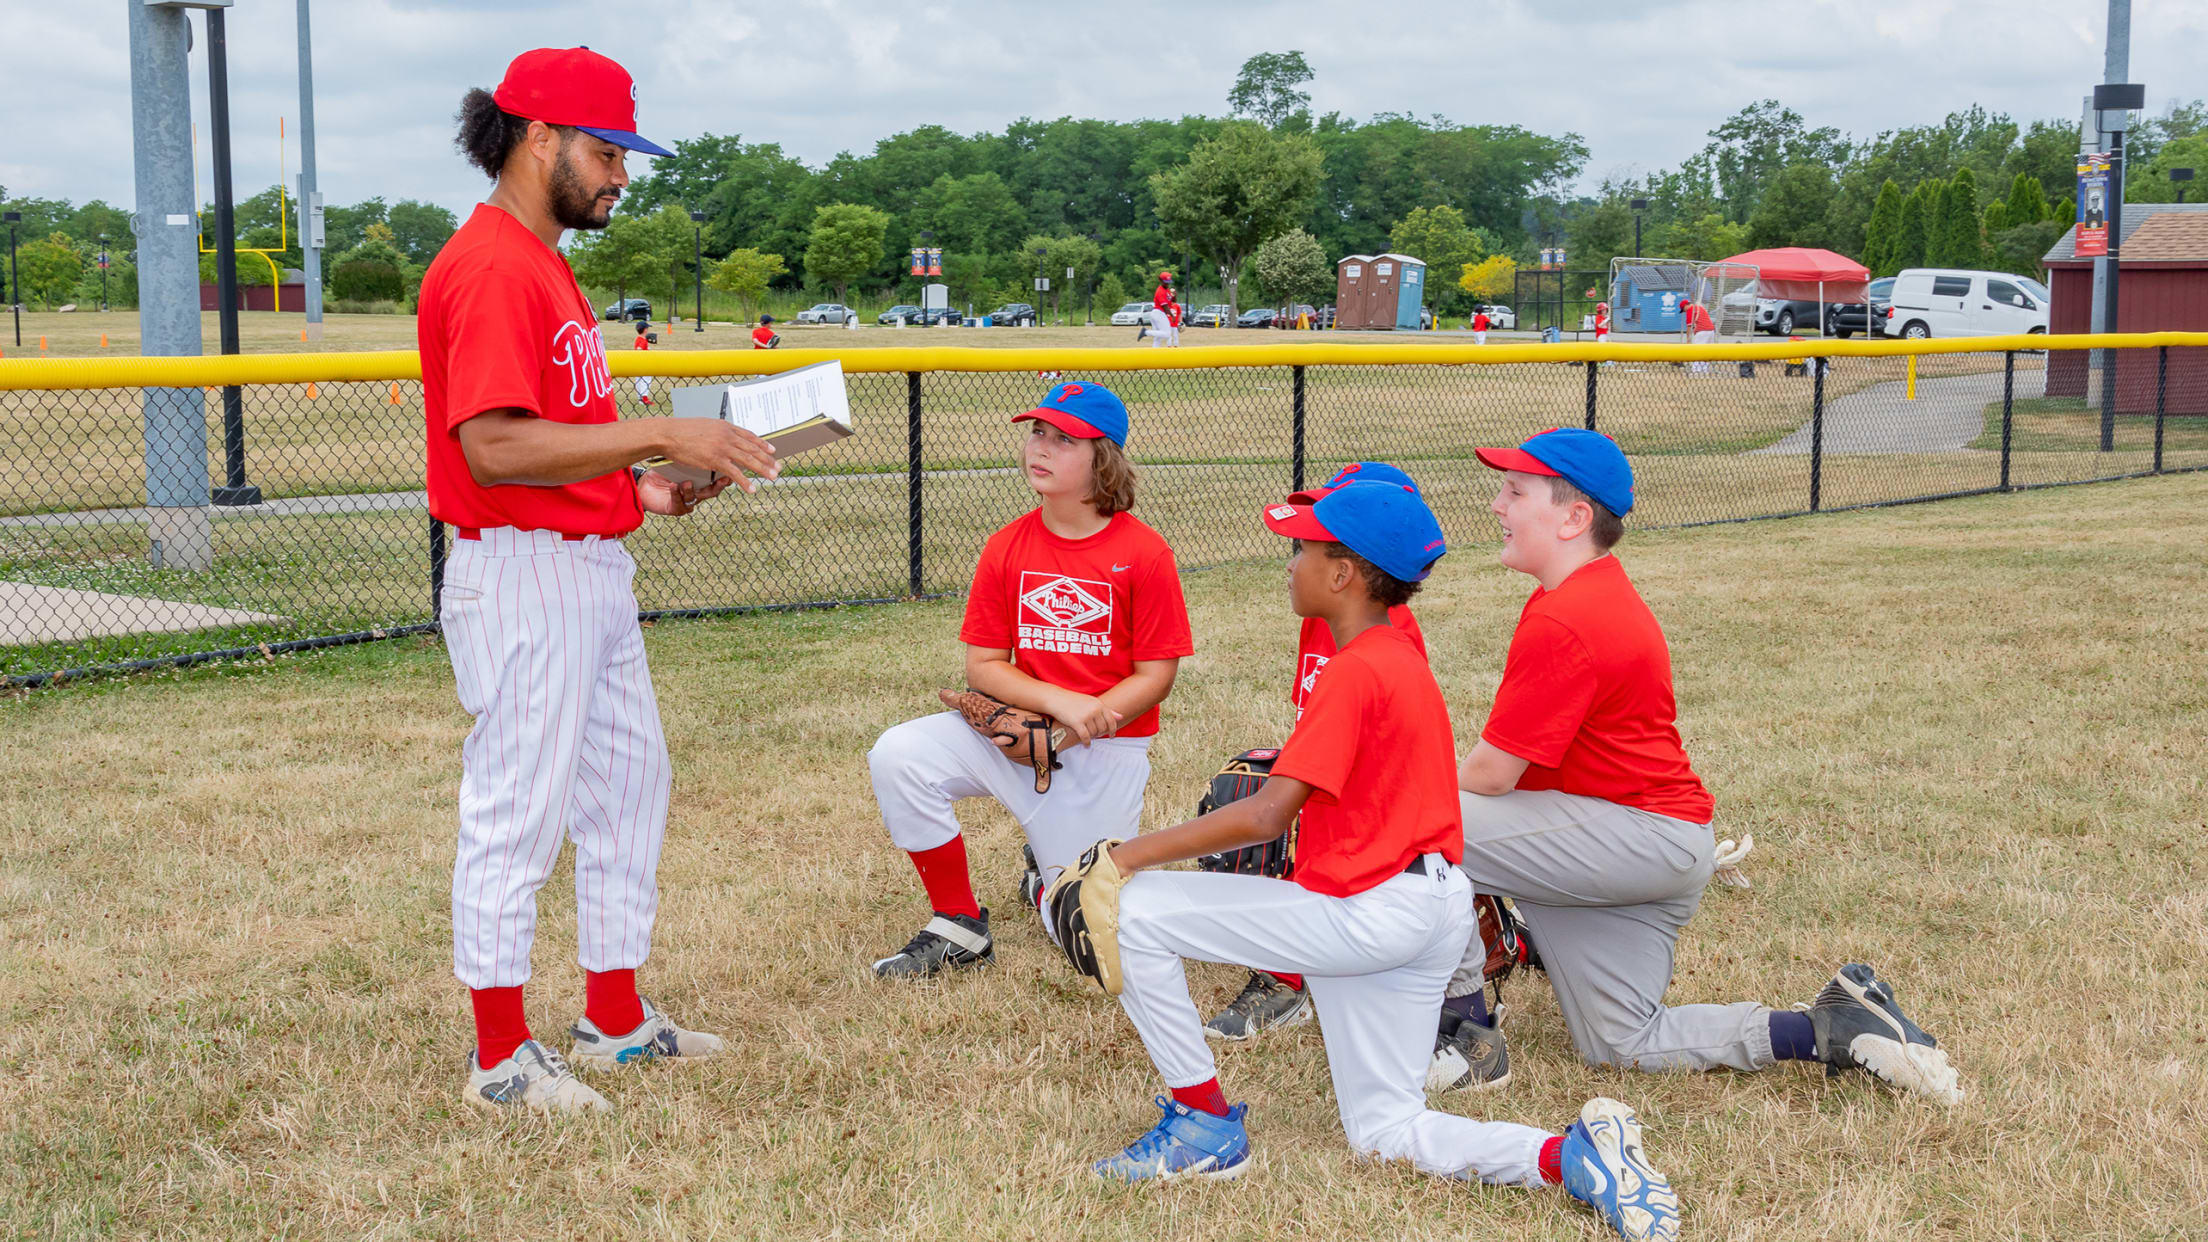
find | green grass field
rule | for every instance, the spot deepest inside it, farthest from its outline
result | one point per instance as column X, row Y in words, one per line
column 1965, row 736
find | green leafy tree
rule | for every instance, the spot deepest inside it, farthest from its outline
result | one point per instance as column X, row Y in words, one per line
column 1236, row 192
column 1291, row 268
column 974, row 214
column 373, row 271
column 2150, row 182
column 746, row 273
column 1600, row 234
column 1708, row 237
column 344, row 227
column 846, row 244
column 1882, row 233
column 2020, row 247
column 1492, row 279
column 1265, row 90
column 1111, row 291
column 1953, row 239
column 1750, row 149
column 1994, row 220
column 1052, row 255
column 1440, row 236
column 2027, row 200
column 1917, row 217
column 420, row 230
column 618, row 257
column 2066, row 211
column 1793, row 208
column 49, row 270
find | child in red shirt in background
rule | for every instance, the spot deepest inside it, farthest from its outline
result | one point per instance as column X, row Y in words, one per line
column 1075, row 612
column 643, row 342
column 1377, row 913
column 763, row 336
column 1580, row 805
column 1272, row 999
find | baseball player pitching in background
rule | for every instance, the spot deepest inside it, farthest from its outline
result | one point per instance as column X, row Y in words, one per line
column 529, row 465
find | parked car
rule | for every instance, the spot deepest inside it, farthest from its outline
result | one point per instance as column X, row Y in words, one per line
column 1946, row 301
column 1287, row 316
column 1012, row 314
column 1845, row 319
column 1212, row 316
column 1425, row 318
column 895, row 314
column 827, row 312
column 635, row 308
column 1257, row 317
column 942, row 315
column 1326, row 316
column 1498, row 316
column 1785, row 316
column 1132, row 315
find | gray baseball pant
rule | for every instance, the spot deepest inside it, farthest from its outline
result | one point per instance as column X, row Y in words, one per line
column 1604, row 889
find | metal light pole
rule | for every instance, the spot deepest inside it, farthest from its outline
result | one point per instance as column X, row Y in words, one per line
column 2179, row 177
column 2114, row 101
column 697, row 263
column 1041, row 257
column 1091, row 296
column 310, row 197
column 103, row 273
column 15, row 278
column 235, row 490
column 1638, row 205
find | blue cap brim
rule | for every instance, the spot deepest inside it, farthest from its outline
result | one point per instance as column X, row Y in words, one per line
column 625, row 140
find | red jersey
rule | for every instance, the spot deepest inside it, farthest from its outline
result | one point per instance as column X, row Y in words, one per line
column 1315, row 646
column 1078, row 613
column 1374, row 745
column 1163, row 298
column 1587, row 702
column 643, row 341
column 762, row 337
column 503, row 326
column 1479, row 322
column 1698, row 319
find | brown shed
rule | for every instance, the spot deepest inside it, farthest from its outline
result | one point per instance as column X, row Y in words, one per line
column 2164, row 288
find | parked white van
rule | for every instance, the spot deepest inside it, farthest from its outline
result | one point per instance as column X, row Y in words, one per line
column 1946, row 301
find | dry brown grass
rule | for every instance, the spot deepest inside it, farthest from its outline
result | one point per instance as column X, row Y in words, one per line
column 1965, row 735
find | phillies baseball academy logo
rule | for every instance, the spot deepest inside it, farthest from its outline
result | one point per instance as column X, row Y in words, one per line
column 1307, row 676
column 581, row 352
column 1058, row 613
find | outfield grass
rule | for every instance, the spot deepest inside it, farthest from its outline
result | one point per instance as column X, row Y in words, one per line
column 1965, row 736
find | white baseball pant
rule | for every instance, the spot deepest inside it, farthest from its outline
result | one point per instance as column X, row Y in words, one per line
column 923, row 766
column 549, row 660
column 1703, row 338
column 1375, row 962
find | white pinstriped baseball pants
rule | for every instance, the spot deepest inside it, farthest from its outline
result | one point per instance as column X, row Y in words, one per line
column 549, row 660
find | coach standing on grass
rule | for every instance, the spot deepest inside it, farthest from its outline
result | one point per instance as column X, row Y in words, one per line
column 530, row 466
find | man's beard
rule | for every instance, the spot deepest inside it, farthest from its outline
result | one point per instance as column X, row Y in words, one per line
column 574, row 206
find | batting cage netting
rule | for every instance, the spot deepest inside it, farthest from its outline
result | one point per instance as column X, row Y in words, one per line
column 148, row 518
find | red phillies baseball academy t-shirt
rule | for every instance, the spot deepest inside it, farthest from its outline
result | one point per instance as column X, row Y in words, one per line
column 1586, row 698
column 1315, row 646
column 1078, row 613
column 1375, row 746
column 503, row 326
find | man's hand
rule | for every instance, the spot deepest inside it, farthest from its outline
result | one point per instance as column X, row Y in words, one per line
column 710, row 444
column 659, row 494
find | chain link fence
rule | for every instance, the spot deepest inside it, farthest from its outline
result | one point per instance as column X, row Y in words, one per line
column 327, row 537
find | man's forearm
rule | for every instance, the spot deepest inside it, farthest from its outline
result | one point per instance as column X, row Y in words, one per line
column 519, row 448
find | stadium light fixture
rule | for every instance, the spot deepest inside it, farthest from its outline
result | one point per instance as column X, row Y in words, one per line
column 2179, row 177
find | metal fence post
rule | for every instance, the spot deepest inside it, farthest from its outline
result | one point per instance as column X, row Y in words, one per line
column 436, row 570
column 2008, row 411
column 1591, row 368
column 1296, row 482
column 913, row 480
column 1816, row 437
column 2161, row 399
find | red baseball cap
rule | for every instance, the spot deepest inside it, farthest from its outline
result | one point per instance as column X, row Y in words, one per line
column 578, row 87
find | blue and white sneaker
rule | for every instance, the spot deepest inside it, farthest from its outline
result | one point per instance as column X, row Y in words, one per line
column 656, row 1038
column 1606, row 1169
column 1186, row 1142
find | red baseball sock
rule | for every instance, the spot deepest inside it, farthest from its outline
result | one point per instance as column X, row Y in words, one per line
column 610, row 1001
column 499, row 1025
column 1552, row 1160
column 1293, row 981
column 943, row 873
column 1204, row 1097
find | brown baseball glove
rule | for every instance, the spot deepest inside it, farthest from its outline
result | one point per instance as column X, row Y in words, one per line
column 1029, row 738
column 1504, row 934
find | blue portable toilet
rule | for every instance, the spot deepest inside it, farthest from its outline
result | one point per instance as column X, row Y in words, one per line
column 1408, row 276
column 1645, row 297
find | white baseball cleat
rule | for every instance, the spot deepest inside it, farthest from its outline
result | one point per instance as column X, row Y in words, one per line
column 656, row 1038
column 535, row 1078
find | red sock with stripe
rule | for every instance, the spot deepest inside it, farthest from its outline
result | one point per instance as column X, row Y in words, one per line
column 1204, row 1097
column 1293, row 981
column 610, row 1001
column 943, row 873
column 1552, row 1160
column 499, row 1025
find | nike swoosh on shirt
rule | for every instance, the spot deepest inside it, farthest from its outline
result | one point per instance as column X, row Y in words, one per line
column 1120, row 569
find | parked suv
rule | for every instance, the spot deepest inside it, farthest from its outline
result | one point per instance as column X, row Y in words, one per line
column 1845, row 319
column 1287, row 316
column 827, row 312
column 1212, row 316
column 635, row 308
column 1014, row 314
column 1131, row 315
column 1947, row 301
column 1786, row 316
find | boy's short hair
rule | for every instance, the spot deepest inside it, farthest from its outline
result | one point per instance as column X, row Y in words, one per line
column 1112, row 478
column 1608, row 527
column 1385, row 588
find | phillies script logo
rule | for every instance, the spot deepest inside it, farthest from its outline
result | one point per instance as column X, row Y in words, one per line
column 1057, row 613
column 581, row 352
column 1307, row 677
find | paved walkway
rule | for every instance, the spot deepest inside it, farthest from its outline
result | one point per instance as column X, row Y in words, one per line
column 1948, row 414
column 41, row 614
column 308, row 506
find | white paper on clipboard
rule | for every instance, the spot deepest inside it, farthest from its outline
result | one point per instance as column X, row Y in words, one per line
column 792, row 411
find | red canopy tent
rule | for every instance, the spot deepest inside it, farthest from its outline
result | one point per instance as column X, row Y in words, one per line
column 1804, row 274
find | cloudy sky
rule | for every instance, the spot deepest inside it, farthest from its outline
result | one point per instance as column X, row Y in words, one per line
column 822, row 76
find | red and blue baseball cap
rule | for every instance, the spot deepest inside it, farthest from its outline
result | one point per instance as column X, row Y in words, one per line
column 578, row 87
column 1354, row 472
column 1588, row 460
column 1083, row 411
column 1386, row 523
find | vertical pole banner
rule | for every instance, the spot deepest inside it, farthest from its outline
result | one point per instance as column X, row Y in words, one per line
column 919, row 261
column 935, row 261
column 2092, row 206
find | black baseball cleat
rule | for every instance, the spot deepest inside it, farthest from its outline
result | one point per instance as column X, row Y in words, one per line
column 1858, row 1026
column 1265, row 1002
column 948, row 942
column 1031, row 879
column 1468, row 1056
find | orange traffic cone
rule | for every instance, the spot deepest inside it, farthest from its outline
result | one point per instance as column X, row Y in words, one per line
column 42, row 344
column 302, row 334
column 395, row 392
column 311, row 393
column 103, row 340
